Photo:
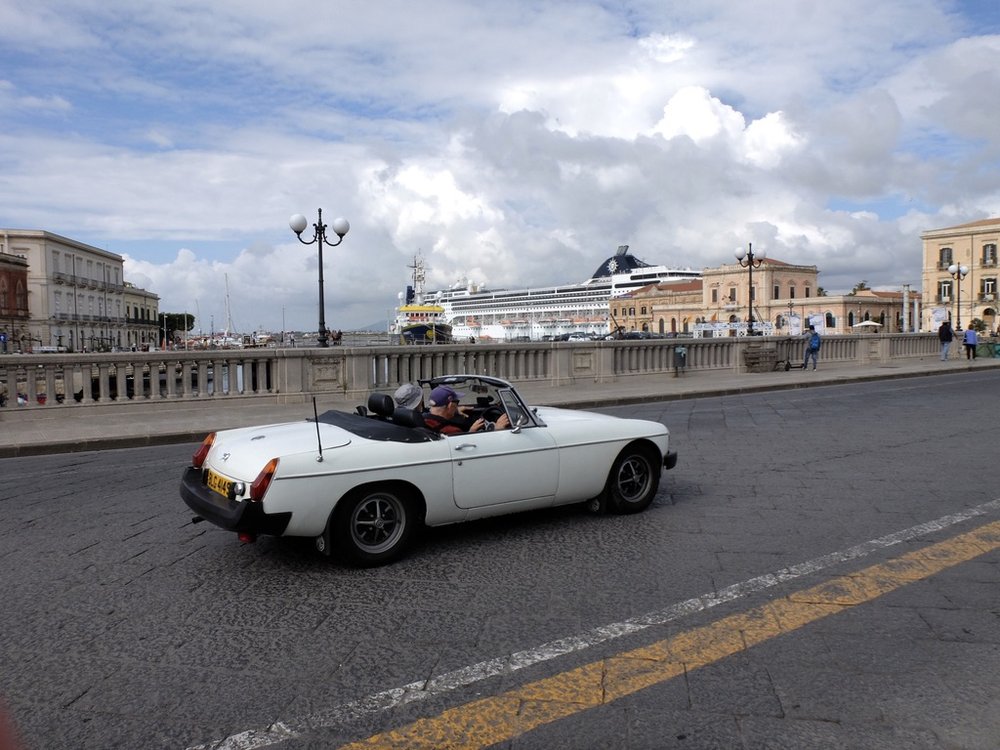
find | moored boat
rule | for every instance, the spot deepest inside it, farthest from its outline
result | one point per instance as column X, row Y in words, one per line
column 418, row 321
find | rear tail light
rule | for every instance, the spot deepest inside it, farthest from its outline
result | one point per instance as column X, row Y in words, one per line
column 199, row 455
column 263, row 481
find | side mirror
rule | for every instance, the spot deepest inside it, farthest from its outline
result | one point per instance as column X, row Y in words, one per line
column 519, row 422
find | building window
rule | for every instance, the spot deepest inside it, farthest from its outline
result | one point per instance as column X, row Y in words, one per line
column 944, row 290
column 808, row 292
column 988, row 289
column 791, row 292
column 715, row 295
column 831, row 322
column 990, row 254
column 776, row 292
column 732, row 294
column 944, row 257
column 643, row 310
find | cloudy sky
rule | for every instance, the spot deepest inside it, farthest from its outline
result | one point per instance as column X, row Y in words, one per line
column 513, row 143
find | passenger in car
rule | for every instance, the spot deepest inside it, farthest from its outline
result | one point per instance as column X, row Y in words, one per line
column 447, row 418
column 409, row 396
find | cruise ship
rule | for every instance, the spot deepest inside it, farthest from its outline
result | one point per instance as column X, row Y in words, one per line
column 475, row 313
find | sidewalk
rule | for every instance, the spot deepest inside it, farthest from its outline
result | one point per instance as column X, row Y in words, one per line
column 25, row 432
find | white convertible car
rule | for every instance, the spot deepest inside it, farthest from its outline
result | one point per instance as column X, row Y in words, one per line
column 362, row 484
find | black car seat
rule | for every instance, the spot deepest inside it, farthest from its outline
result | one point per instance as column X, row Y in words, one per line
column 381, row 406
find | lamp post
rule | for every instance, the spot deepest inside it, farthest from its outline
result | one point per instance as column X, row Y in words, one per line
column 958, row 273
column 298, row 223
column 750, row 260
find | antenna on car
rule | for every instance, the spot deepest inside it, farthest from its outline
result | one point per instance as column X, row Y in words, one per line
column 319, row 443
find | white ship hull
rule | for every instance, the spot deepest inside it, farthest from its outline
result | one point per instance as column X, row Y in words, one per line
column 543, row 312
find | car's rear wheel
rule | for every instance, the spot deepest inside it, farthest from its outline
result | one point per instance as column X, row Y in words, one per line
column 633, row 480
column 372, row 526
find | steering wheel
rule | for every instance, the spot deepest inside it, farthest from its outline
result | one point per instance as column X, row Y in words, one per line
column 492, row 413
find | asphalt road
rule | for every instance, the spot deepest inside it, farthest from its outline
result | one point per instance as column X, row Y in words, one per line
column 820, row 570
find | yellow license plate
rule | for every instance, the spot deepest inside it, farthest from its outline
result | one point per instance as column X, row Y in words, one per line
column 217, row 483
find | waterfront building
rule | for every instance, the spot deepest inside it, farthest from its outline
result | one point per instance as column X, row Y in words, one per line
column 961, row 298
column 75, row 294
column 14, row 331
column 786, row 299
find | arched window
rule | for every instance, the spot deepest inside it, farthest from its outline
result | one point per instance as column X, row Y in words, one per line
column 3, row 295
column 850, row 318
column 831, row 322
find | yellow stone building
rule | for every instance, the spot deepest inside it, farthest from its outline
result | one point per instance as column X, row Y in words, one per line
column 960, row 274
column 786, row 298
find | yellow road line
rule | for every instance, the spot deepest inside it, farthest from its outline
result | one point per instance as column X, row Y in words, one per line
column 498, row 718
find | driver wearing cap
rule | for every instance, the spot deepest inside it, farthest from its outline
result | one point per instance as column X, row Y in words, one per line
column 446, row 416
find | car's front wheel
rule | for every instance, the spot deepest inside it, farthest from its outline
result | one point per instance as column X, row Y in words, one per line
column 372, row 526
column 633, row 480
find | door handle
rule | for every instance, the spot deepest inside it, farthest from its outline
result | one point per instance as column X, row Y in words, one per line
column 464, row 446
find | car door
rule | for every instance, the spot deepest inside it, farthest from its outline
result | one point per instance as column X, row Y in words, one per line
column 503, row 467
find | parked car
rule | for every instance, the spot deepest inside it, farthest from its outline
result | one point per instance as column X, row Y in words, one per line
column 363, row 484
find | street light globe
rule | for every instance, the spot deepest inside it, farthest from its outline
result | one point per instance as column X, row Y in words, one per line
column 339, row 225
column 298, row 223
column 952, row 268
column 740, row 253
column 760, row 254
column 963, row 270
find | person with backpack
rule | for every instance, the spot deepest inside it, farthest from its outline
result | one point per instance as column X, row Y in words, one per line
column 812, row 348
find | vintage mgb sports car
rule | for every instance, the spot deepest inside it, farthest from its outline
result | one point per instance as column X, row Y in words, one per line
column 362, row 484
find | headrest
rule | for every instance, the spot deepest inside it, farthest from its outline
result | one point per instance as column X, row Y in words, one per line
column 381, row 404
column 407, row 417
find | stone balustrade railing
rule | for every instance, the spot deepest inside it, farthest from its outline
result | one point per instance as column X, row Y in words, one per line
column 291, row 375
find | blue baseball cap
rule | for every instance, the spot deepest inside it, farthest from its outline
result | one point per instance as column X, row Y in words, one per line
column 444, row 394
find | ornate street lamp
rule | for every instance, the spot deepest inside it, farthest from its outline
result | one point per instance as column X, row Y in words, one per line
column 958, row 273
column 298, row 223
column 750, row 260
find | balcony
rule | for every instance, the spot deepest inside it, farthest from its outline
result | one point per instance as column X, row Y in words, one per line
column 943, row 265
column 988, row 263
column 987, row 297
column 943, row 298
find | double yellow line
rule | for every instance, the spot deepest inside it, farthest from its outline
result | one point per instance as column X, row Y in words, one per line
column 492, row 720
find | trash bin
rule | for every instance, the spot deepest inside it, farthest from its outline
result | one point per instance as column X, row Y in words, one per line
column 680, row 359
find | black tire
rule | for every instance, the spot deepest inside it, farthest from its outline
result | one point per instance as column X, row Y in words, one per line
column 373, row 526
column 634, row 479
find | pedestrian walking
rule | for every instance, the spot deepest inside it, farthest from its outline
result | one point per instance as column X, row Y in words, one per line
column 970, row 341
column 945, row 335
column 812, row 348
